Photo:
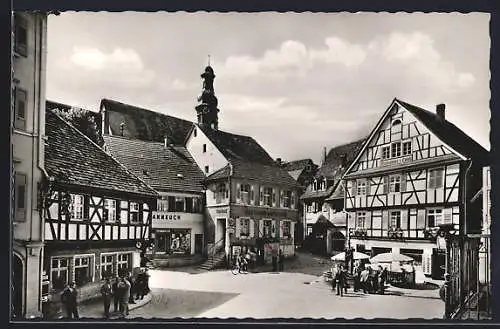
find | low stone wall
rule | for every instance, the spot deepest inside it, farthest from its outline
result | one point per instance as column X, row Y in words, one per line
column 166, row 261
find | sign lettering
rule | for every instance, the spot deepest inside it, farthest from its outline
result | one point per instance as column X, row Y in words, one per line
column 397, row 161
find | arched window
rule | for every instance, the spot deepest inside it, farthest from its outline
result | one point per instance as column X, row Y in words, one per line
column 396, row 122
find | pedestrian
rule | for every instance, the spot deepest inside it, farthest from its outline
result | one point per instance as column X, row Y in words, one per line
column 131, row 281
column 69, row 299
column 146, row 282
column 382, row 280
column 274, row 260
column 281, row 260
column 124, row 286
column 374, row 281
column 357, row 276
column 141, row 284
column 106, row 292
column 340, row 281
column 364, row 277
column 334, row 271
column 116, row 294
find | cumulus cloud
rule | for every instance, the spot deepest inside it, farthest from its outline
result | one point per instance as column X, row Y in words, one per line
column 294, row 55
column 94, row 59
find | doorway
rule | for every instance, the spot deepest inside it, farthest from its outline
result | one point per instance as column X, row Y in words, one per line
column 220, row 237
column 198, row 243
column 17, row 287
column 162, row 242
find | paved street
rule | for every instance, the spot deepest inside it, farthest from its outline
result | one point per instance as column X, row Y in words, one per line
column 299, row 292
column 271, row 295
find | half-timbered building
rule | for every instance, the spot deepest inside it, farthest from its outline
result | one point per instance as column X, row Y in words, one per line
column 251, row 200
column 410, row 183
column 178, row 223
column 323, row 217
column 96, row 212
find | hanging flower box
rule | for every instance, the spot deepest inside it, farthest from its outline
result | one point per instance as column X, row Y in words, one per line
column 395, row 233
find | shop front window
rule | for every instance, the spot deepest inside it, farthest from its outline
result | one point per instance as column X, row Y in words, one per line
column 180, row 241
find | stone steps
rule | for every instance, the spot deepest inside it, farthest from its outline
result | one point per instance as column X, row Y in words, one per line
column 213, row 262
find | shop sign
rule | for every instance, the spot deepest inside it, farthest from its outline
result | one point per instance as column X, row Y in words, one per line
column 167, row 216
column 264, row 212
column 221, row 211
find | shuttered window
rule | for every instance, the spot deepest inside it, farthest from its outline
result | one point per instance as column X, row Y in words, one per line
column 20, row 35
column 20, row 196
column 20, row 104
column 436, row 178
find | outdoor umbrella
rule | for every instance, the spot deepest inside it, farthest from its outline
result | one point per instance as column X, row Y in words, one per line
column 356, row 256
column 390, row 257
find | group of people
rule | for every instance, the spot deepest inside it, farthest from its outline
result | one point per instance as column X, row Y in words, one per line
column 278, row 261
column 365, row 278
column 121, row 292
column 370, row 280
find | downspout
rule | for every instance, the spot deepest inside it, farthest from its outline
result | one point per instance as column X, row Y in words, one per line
column 41, row 145
column 463, row 254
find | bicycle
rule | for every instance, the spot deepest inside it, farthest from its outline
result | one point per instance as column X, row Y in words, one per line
column 237, row 269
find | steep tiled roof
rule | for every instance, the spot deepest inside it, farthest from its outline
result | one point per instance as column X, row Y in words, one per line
column 237, row 147
column 337, row 161
column 144, row 124
column 156, row 165
column 73, row 159
column 297, row 164
column 449, row 133
column 267, row 174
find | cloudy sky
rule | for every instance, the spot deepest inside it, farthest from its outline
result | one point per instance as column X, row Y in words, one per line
column 295, row 82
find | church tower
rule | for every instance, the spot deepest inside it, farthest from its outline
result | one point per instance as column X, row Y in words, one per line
column 207, row 110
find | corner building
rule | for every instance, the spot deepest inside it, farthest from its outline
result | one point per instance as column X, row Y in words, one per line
column 408, row 181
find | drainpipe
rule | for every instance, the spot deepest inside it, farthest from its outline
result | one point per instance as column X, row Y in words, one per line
column 41, row 142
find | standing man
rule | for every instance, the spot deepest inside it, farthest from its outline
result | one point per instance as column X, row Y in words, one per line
column 363, row 278
column 116, row 293
column 281, row 259
column 132, row 288
column 69, row 299
column 106, row 292
column 341, row 281
column 124, row 286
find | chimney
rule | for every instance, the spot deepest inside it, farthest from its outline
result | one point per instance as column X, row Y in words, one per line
column 440, row 111
column 278, row 161
column 324, row 154
column 165, row 141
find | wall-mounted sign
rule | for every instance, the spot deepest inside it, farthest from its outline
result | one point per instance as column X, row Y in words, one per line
column 167, row 216
column 397, row 161
column 222, row 211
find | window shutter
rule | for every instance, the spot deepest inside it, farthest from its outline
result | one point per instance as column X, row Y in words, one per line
column 141, row 215
column 282, row 198
column 20, row 196
column 261, row 195
column 403, row 182
column 276, row 228
column 292, row 230
column 227, row 190
column 447, row 216
column 292, row 201
column 238, row 192
column 386, row 184
column 86, row 206
column 252, row 195
column 251, row 222
column 368, row 220
column 354, row 187
column 238, row 228
column 281, row 228
column 385, row 220
column 261, row 228
column 274, row 197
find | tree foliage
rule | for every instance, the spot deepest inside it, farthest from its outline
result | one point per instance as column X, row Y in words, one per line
column 85, row 121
